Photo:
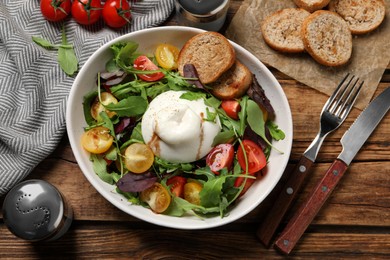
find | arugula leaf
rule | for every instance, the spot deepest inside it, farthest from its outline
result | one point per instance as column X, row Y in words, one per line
column 275, row 132
column 130, row 106
column 189, row 95
column 43, row 42
column 223, row 137
column 255, row 119
column 166, row 167
column 88, row 98
column 123, row 52
column 67, row 57
column 100, row 168
column 210, row 195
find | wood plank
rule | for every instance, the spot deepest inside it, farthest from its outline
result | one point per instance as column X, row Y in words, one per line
column 128, row 240
column 362, row 198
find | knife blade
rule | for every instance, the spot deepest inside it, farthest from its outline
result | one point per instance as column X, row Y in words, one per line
column 352, row 141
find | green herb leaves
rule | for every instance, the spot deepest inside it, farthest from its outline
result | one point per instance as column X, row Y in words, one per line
column 66, row 55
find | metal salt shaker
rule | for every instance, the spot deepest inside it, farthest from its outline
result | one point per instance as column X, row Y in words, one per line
column 35, row 210
column 209, row 15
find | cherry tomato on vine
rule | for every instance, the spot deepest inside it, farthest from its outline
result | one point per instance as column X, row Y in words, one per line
column 86, row 12
column 116, row 13
column 254, row 154
column 55, row 10
column 144, row 63
column 221, row 156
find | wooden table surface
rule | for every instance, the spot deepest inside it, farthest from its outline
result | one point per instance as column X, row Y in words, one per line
column 354, row 223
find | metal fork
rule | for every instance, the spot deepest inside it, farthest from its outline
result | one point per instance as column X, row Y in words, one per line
column 333, row 114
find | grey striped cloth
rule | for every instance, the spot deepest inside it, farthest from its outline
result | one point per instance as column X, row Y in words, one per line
column 33, row 88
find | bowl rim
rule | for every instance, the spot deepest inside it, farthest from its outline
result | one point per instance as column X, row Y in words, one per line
column 161, row 220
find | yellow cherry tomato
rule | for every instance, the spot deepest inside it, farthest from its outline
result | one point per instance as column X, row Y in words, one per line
column 167, row 55
column 97, row 107
column 191, row 192
column 97, row 140
column 265, row 113
column 138, row 158
column 157, row 197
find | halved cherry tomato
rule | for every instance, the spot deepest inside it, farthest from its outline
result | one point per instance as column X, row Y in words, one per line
column 145, row 64
column 157, row 197
column 255, row 156
column 55, row 10
column 138, row 158
column 177, row 185
column 249, row 181
column 265, row 113
column 221, row 156
column 116, row 13
column 167, row 55
column 192, row 192
column 97, row 140
column 86, row 12
column 231, row 108
column 97, row 107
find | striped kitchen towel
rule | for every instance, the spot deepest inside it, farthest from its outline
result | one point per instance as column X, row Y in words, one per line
column 33, row 88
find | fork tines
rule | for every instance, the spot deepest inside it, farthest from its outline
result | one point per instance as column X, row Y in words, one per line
column 345, row 94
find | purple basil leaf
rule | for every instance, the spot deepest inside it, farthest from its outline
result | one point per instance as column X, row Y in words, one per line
column 190, row 71
column 110, row 75
column 125, row 123
column 136, row 182
column 251, row 135
column 257, row 94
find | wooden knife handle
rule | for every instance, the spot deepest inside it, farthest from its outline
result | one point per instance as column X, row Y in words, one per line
column 286, row 197
column 310, row 207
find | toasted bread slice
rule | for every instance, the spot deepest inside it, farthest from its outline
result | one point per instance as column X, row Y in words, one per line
column 362, row 16
column 232, row 84
column 282, row 30
column 311, row 5
column 211, row 54
column 327, row 38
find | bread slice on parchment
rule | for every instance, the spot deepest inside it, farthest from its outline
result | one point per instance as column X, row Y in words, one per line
column 211, row 54
column 233, row 83
column 362, row 16
column 282, row 30
column 327, row 38
column 311, row 5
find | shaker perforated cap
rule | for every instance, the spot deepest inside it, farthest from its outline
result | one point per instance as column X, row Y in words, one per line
column 35, row 210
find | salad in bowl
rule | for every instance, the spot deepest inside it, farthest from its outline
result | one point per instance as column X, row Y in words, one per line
column 164, row 146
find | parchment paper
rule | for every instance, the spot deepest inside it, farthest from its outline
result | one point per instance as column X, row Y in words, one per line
column 370, row 54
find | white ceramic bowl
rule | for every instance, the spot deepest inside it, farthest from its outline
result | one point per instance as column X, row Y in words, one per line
column 148, row 39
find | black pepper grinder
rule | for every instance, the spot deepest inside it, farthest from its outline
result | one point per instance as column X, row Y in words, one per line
column 35, row 210
column 204, row 14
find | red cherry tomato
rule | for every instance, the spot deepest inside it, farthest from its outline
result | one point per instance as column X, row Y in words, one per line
column 144, row 63
column 55, row 10
column 86, row 12
column 249, row 182
column 221, row 156
column 177, row 185
column 231, row 108
column 255, row 156
column 116, row 13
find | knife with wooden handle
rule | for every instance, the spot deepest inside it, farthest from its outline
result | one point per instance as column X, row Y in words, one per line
column 352, row 141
